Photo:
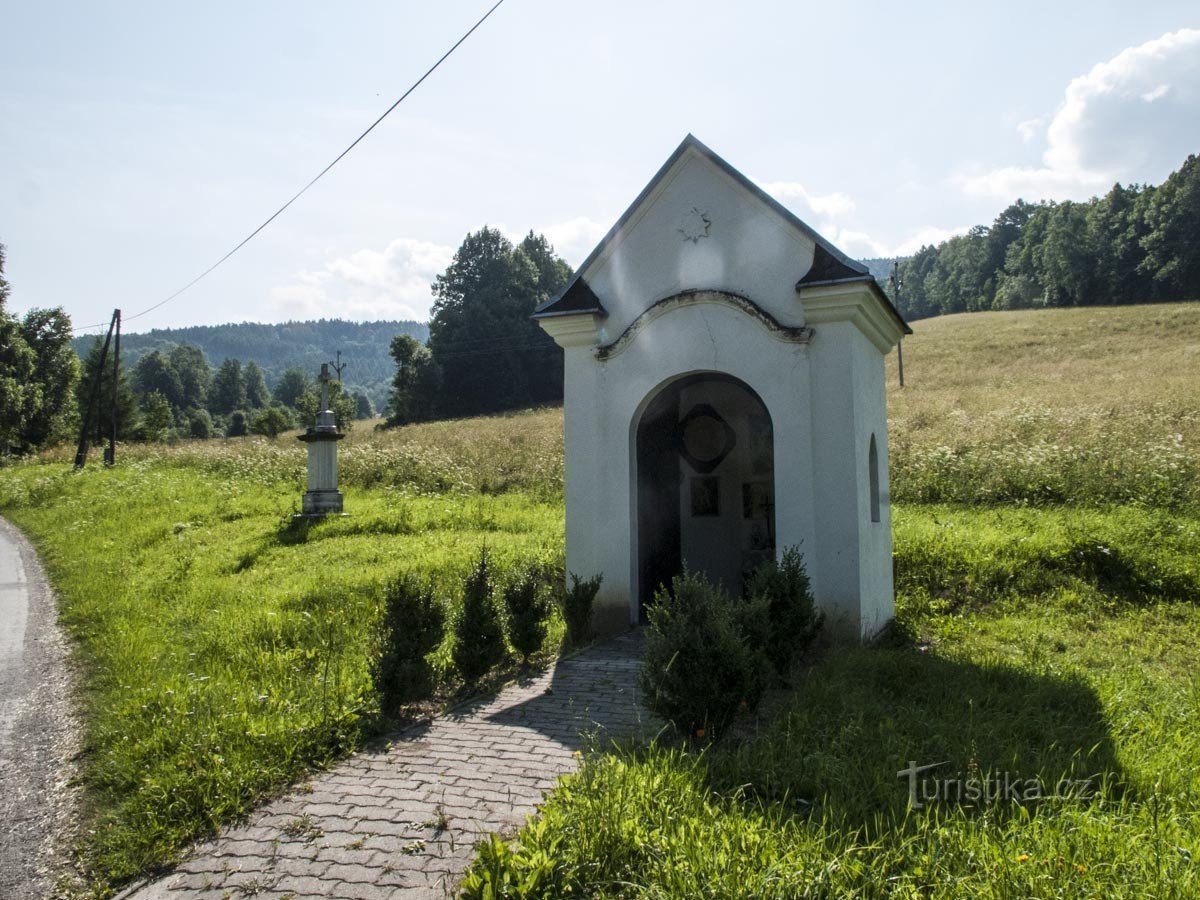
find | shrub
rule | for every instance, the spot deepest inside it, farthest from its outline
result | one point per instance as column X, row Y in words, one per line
column 792, row 617
column 525, row 606
column 411, row 628
column 699, row 666
column 576, row 606
column 199, row 423
column 478, row 638
column 271, row 422
column 239, row 424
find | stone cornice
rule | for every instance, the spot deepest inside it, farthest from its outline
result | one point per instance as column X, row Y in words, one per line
column 795, row 334
column 852, row 302
column 573, row 330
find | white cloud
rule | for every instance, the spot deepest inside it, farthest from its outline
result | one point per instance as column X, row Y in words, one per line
column 860, row 245
column 575, row 238
column 1031, row 128
column 1131, row 118
column 832, row 205
column 393, row 283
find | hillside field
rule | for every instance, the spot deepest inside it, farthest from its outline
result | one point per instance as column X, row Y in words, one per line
column 1045, row 469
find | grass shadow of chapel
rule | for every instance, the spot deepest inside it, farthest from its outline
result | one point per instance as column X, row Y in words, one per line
column 861, row 718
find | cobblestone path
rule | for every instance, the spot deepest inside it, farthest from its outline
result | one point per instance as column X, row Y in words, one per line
column 401, row 821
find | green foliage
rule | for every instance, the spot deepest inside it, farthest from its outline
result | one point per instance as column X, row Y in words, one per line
column 239, row 424
column 491, row 355
column 575, row 604
column 228, row 389
column 199, row 424
column 127, row 404
column 157, row 421
column 526, row 610
column 699, row 667
column 292, row 386
column 154, row 374
column 417, row 384
column 47, row 332
column 195, row 375
column 343, row 406
column 37, row 373
column 411, row 628
column 478, row 636
column 791, row 615
column 1135, row 244
column 257, row 395
column 363, row 407
column 279, row 346
column 271, row 422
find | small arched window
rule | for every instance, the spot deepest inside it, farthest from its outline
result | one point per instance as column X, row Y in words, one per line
column 873, row 475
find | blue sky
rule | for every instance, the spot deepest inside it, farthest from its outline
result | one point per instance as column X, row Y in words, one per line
column 140, row 140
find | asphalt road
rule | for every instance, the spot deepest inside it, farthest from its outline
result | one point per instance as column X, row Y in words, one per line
column 36, row 731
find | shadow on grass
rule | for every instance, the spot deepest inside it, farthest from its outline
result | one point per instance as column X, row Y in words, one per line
column 1119, row 570
column 861, row 716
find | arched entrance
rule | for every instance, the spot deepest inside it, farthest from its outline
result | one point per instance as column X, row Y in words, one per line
column 705, row 483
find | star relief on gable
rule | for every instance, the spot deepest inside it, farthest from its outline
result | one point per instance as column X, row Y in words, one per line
column 694, row 225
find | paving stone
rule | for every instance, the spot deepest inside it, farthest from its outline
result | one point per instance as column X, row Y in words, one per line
column 484, row 767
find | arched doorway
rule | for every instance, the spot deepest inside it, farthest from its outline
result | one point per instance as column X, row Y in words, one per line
column 705, row 483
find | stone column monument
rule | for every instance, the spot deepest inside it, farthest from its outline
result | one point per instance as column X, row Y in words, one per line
column 322, row 497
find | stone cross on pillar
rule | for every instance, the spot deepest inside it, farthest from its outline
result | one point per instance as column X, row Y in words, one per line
column 322, row 497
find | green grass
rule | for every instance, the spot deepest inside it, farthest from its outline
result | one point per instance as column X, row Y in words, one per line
column 226, row 652
column 1017, row 657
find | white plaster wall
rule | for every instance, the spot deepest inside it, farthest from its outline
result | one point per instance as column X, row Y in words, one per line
column 604, row 402
column 875, row 538
column 749, row 249
column 835, row 551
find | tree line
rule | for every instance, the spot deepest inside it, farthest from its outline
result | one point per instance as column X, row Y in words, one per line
column 38, row 369
column 175, row 393
column 485, row 354
column 275, row 347
column 1136, row 244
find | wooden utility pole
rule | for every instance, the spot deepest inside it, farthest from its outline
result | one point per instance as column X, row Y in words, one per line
column 110, row 455
column 89, row 414
column 896, row 285
column 339, row 365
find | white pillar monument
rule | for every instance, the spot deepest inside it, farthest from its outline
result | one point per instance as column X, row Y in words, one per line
column 322, row 497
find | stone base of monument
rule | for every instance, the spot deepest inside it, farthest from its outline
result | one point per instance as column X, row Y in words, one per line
column 322, row 497
column 320, row 503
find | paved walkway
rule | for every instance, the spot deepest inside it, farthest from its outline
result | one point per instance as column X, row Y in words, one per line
column 401, row 821
column 37, row 734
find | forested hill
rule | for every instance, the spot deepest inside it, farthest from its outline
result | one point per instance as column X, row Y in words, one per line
column 1135, row 244
column 364, row 347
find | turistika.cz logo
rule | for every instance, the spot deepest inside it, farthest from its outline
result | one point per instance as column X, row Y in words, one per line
column 985, row 789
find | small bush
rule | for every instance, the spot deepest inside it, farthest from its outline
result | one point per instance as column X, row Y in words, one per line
column 699, row 666
column 239, row 424
column 199, row 424
column 271, row 422
column 792, row 617
column 478, row 638
column 411, row 628
column 576, row 606
column 525, row 606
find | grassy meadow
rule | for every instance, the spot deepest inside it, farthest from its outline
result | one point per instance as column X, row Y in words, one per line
column 1047, row 538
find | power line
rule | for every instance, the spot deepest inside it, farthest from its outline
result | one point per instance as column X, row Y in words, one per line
column 304, row 189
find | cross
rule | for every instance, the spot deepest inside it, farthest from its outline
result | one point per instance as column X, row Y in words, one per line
column 324, row 379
